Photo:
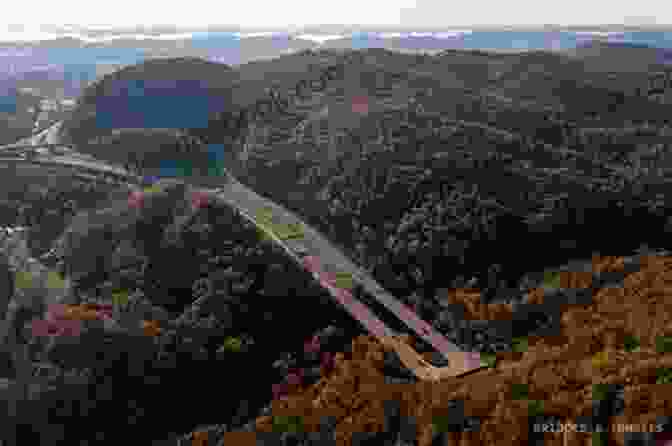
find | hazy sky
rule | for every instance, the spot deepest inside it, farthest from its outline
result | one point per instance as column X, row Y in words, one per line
column 303, row 12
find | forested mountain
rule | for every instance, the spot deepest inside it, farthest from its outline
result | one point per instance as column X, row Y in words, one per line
column 458, row 180
column 174, row 87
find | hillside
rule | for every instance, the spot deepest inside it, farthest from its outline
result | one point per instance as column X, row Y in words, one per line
column 173, row 83
column 110, row 249
column 622, row 56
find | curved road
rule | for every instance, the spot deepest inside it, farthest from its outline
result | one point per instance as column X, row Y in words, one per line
column 311, row 250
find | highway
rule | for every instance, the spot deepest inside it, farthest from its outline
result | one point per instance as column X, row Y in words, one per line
column 308, row 248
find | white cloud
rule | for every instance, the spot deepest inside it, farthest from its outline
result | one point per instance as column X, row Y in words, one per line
column 528, row 12
column 201, row 12
column 251, row 13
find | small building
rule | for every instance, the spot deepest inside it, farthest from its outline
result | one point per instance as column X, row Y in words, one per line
column 48, row 105
column 68, row 104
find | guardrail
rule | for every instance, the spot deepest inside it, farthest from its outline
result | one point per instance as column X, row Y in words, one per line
column 459, row 362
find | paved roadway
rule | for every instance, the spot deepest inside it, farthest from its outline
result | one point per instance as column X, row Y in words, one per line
column 313, row 251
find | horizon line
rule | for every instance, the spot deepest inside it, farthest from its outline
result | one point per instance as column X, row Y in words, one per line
column 94, row 27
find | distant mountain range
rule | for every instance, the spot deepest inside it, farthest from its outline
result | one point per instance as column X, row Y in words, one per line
column 60, row 62
column 63, row 61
